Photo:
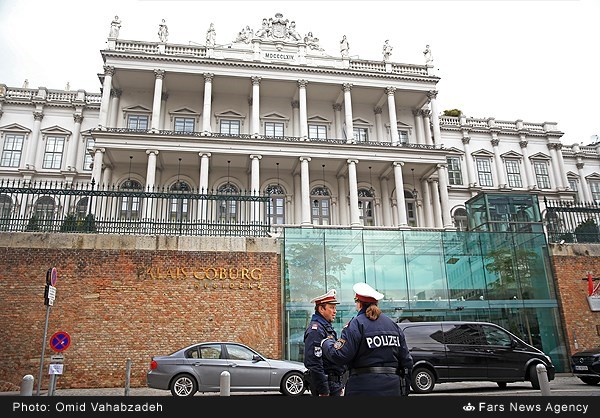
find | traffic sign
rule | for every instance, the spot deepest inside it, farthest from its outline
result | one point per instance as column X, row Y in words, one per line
column 53, row 276
column 60, row 341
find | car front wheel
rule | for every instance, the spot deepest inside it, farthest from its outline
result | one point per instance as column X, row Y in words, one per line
column 184, row 385
column 293, row 384
column 423, row 380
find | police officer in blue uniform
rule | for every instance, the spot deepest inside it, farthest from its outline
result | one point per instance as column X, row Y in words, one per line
column 326, row 378
column 373, row 347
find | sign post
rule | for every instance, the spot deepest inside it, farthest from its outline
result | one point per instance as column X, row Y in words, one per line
column 49, row 296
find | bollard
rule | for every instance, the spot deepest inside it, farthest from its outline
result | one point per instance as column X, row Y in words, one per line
column 542, row 375
column 27, row 385
column 127, row 376
column 225, row 383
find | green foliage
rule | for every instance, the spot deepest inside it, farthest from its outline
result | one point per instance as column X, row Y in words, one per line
column 453, row 112
column 587, row 231
column 33, row 224
column 73, row 224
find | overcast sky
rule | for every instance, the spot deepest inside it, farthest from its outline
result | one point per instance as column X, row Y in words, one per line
column 538, row 60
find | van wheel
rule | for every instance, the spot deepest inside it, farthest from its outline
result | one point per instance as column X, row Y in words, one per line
column 423, row 380
column 533, row 377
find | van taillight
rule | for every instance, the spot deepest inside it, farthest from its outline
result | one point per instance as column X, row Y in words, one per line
column 153, row 365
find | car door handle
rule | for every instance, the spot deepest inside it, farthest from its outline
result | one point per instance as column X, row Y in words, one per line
column 233, row 365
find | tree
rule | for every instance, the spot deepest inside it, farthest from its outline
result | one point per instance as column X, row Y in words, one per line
column 587, row 231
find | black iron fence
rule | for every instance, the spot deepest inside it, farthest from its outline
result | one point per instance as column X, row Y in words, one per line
column 572, row 222
column 84, row 208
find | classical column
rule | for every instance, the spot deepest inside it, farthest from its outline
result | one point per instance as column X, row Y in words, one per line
column 435, row 117
column 34, row 140
column 399, row 180
column 296, row 116
column 298, row 198
column 498, row 162
column 444, row 199
column 305, row 181
column 531, row 184
column 164, row 116
column 97, row 168
column 207, row 104
column 339, row 124
column 151, row 169
column 379, row 131
column 159, row 76
column 419, row 132
column 256, row 105
column 71, row 163
column 255, row 185
column 347, row 89
column 435, row 198
column 303, row 109
column 106, row 177
column 392, row 115
column 427, row 126
column 115, row 96
column 584, row 190
column 204, row 166
column 561, row 165
column 342, row 200
column 471, row 179
column 555, row 168
column 109, row 72
column 427, row 206
column 386, row 207
column 353, row 193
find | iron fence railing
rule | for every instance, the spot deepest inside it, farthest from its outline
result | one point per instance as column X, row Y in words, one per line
column 572, row 221
column 84, row 208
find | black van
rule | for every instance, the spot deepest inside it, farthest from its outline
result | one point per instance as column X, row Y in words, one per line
column 459, row 351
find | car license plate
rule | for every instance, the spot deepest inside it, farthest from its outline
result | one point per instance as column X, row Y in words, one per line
column 581, row 367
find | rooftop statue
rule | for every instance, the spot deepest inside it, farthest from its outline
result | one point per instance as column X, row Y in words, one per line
column 211, row 36
column 115, row 25
column 427, row 53
column 277, row 28
column 163, row 31
column 312, row 42
column 344, row 47
column 387, row 50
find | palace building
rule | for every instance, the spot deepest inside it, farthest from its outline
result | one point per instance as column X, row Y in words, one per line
column 362, row 177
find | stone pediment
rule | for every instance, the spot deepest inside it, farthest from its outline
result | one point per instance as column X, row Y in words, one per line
column 55, row 130
column 540, row 156
column 15, row 127
column 511, row 154
column 482, row 153
column 318, row 119
column 137, row 108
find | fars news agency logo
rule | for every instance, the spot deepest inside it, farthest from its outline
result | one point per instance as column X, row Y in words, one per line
column 468, row 407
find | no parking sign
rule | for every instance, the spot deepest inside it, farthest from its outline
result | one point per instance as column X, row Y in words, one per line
column 60, row 341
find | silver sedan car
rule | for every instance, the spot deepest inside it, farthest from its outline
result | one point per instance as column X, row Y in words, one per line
column 198, row 368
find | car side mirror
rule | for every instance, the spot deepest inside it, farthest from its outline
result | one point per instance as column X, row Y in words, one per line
column 256, row 358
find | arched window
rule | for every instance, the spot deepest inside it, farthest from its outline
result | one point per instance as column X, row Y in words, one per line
column 460, row 219
column 365, row 206
column 320, row 206
column 81, row 208
column 276, row 204
column 130, row 207
column 44, row 212
column 228, row 207
column 179, row 207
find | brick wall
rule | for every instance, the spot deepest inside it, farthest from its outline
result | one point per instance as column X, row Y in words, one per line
column 125, row 298
column 571, row 262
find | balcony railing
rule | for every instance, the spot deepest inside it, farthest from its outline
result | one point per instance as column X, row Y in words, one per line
column 84, row 208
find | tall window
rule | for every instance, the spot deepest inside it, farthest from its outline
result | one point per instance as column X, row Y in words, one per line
column 411, row 208
column 184, row 124
column 542, row 178
column 13, row 146
column 130, row 207
column 87, row 157
column 229, row 127
column 179, row 206
column 273, row 129
column 228, row 208
column 137, row 122
column 81, row 208
column 276, row 204
column 484, row 172
column 54, row 151
column 365, row 207
column 361, row 134
column 317, row 131
column 573, row 187
column 595, row 189
column 320, row 206
column 44, row 212
column 513, row 173
column 5, row 211
column 403, row 136
column 454, row 172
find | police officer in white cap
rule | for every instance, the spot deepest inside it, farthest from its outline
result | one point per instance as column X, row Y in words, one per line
column 325, row 377
column 373, row 347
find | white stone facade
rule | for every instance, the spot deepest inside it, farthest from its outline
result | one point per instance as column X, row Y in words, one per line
column 273, row 111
